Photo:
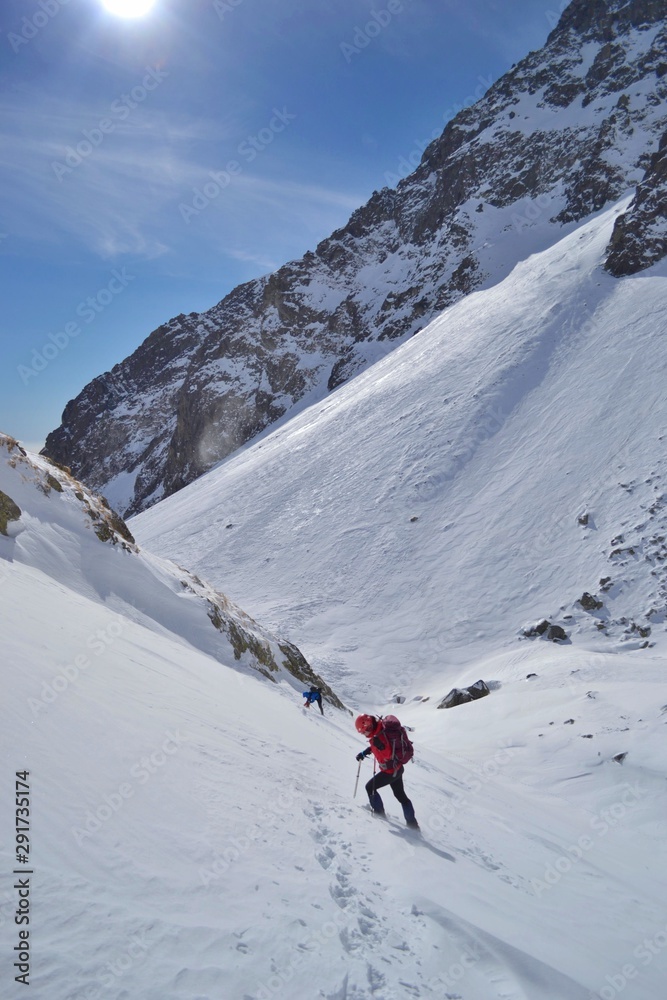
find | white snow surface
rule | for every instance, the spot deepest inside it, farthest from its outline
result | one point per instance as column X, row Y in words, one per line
column 194, row 834
column 430, row 508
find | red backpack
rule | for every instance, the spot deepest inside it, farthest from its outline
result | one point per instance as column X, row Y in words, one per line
column 402, row 749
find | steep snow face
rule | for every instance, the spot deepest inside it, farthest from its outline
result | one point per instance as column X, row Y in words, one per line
column 485, row 476
column 566, row 132
column 56, row 528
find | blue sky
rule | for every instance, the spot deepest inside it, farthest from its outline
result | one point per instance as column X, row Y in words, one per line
column 148, row 166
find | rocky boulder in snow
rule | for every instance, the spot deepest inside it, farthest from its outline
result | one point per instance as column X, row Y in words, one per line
column 459, row 696
column 589, row 603
column 547, row 630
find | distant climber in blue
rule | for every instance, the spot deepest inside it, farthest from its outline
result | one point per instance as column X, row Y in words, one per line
column 314, row 695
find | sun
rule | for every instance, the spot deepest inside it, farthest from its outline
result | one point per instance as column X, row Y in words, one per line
column 129, row 8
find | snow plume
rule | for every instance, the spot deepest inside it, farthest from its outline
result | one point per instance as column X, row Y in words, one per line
column 223, row 433
column 208, row 446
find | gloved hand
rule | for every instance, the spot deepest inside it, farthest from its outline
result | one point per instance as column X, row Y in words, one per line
column 363, row 754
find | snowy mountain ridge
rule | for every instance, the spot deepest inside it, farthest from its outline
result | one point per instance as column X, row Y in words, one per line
column 570, row 129
column 55, row 526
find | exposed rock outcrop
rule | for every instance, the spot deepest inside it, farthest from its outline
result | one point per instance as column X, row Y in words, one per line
column 639, row 238
column 9, row 511
column 186, row 605
column 545, row 629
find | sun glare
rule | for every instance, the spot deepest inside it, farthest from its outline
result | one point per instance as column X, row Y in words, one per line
column 129, row 8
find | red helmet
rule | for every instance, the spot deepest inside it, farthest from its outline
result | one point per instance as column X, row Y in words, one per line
column 366, row 724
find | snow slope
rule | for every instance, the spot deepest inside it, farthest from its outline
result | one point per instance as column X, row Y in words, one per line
column 431, row 508
column 194, row 834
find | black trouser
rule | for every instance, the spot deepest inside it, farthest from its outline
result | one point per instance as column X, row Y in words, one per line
column 395, row 781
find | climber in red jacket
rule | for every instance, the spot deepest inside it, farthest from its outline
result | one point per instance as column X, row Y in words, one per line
column 391, row 748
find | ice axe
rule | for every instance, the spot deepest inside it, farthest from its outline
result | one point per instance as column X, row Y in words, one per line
column 356, row 784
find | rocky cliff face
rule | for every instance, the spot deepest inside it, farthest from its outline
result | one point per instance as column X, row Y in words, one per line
column 640, row 234
column 572, row 127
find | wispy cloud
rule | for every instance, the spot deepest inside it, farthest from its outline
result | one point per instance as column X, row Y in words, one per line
column 57, row 182
column 250, row 258
column 62, row 177
column 288, row 193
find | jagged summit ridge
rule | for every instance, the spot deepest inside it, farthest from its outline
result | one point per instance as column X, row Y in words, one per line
column 571, row 128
